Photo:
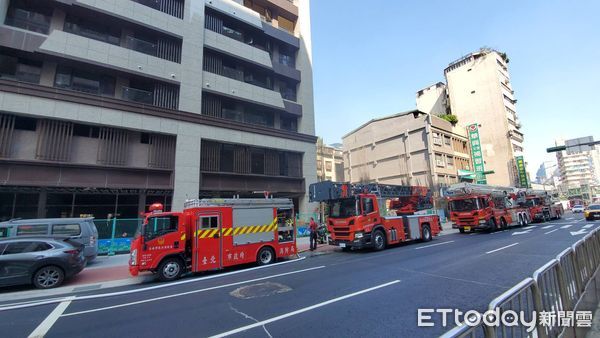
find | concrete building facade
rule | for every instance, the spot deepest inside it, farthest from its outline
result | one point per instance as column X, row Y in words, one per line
column 480, row 91
column 330, row 162
column 108, row 106
column 576, row 170
column 412, row 148
column 433, row 99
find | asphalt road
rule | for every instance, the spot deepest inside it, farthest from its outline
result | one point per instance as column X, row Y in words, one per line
column 375, row 294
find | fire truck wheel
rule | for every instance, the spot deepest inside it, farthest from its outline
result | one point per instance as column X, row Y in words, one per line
column 265, row 256
column 521, row 221
column 170, row 269
column 503, row 224
column 493, row 225
column 378, row 240
column 426, row 233
column 461, row 230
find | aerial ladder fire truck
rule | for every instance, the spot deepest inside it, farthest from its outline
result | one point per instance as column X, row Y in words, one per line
column 542, row 206
column 211, row 234
column 486, row 207
column 375, row 215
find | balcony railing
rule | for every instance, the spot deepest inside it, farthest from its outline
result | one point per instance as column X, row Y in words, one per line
column 233, row 73
column 138, row 95
column 141, row 46
column 232, row 33
column 171, row 7
column 29, row 25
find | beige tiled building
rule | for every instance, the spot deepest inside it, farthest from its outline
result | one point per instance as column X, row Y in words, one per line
column 121, row 103
column 480, row 91
column 408, row 148
column 330, row 162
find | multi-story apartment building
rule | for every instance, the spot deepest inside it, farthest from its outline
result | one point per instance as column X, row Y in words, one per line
column 578, row 169
column 408, row 148
column 108, row 106
column 330, row 162
column 480, row 91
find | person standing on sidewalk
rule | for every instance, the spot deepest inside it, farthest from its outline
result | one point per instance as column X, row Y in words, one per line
column 313, row 234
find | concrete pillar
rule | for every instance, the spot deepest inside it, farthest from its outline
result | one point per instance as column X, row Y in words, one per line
column 187, row 166
column 58, row 20
column 41, row 212
column 141, row 202
column 48, row 73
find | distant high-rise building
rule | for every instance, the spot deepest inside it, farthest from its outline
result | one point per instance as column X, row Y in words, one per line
column 540, row 175
column 330, row 162
column 578, row 169
column 478, row 91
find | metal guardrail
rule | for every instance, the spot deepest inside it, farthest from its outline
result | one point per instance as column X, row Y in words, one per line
column 557, row 286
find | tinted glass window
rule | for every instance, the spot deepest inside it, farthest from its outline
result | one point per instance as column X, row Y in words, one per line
column 66, row 229
column 209, row 222
column 594, row 207
column 24, row 247
column 33, row 229
column 4, row 232
column 159, row 226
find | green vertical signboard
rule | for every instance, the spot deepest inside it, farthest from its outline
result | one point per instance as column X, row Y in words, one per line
column 476, row 153
column 522, row 172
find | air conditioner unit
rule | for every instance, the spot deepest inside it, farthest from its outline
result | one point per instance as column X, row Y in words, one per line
column 437, row 141
column 440, row 163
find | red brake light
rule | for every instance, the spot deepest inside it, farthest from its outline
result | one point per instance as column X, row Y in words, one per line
column 72, row 252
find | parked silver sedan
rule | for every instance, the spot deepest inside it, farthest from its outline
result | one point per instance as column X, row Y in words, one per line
column 44, row 262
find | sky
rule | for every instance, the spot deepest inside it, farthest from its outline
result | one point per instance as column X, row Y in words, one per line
column 371, row 57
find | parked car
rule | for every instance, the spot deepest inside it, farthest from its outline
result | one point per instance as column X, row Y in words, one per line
column 80, row 230
column 577, row 208
column 592, row 212
column 44, row 262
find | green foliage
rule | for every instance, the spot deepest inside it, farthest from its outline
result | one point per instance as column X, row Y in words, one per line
column 450, row 118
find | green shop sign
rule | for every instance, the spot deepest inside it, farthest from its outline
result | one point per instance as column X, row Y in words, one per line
column 476, row 153
column 522, row 172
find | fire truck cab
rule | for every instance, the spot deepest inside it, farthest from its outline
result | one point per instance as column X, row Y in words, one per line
column 211, row 234
column 541, row 206
column 358, row 217
column 483, row 207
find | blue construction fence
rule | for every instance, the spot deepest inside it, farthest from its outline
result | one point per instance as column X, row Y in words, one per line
column 115, row 235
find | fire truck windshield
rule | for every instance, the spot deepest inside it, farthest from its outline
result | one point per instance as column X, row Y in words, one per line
column 159, row 226
column 467, row 204
column 343, row 208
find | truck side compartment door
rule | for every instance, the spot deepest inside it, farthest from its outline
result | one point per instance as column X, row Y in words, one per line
column 207, row 242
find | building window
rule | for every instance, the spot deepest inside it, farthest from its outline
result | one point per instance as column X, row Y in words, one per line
column 439, row 160
column 286, row 24
column 29, row 15
column 450, row 161
column 289, row 123
column 447, row 140
column 20, row 69
column 437, row 140
column 328, row 166
column 257, row 157
column 84, row 81
column 92, row 30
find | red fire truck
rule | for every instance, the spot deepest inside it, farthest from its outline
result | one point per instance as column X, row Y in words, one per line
column 357, row 216
column 485, row 207
column 211, row 234
column 541, row 206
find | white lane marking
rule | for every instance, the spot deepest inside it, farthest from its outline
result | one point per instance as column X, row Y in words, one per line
column 47, row 324
column 160, row 286
column 588, row 226
column 502, row 248
column 580, row 232
column 580, row 220
column 429, row 246
column 299, row 311
column 473, row 233
column 521, row 232
column 530, row 227
column 188, row 292
column 566, row 226
column 551, row 231
column 548, row 226
column 568, row 219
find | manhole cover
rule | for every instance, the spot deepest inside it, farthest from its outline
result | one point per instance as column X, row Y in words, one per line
column 259, row 290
